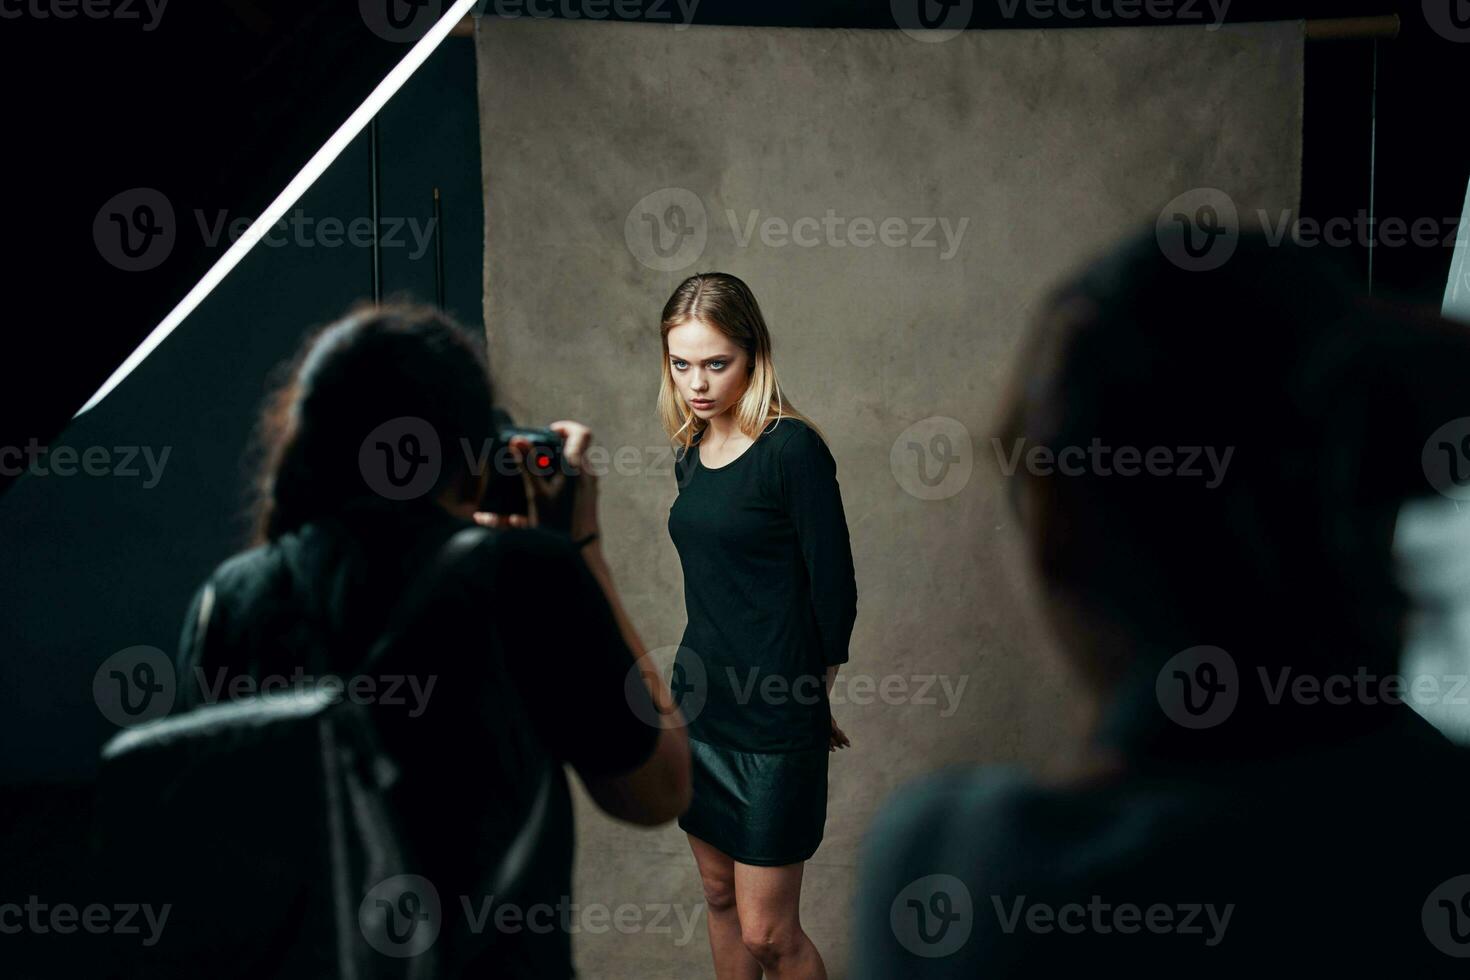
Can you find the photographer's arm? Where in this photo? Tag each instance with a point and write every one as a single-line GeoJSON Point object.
{"type": "Point", "coordinates": [659, 789]}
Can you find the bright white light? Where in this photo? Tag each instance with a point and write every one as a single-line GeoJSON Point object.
{"type": "Point", "coordinates": [1457, 290]}
{"type": "Point", "coordinates": [319, 162]}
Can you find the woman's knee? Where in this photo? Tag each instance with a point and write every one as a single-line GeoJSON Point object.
{"type": "Point", "coordinates": [769, 939]}
{"type": "Point", "coordinates": [719, 892]}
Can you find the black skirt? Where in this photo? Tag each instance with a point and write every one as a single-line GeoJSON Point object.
{"type": "Point", "coordinates": [760, 808]}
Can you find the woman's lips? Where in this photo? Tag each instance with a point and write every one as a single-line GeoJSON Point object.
{"type": "Point", "coordinates": [701, 402]}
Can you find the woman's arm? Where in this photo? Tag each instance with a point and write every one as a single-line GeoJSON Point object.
{"type": "Point", "coordinates": [813, 502]}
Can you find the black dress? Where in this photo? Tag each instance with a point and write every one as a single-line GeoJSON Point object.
{"type": "Point", "coordinates": [771, 598]}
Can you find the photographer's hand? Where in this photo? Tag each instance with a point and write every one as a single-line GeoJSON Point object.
{"type": "Point", "coordinates": [565, 500]}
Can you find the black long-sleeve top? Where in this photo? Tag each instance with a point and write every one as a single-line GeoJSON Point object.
{"type": "Point", "coordinates": [769, 589]}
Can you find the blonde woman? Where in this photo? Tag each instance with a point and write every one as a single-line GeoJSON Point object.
{"type": "Point", "coordinates": [771, 597]}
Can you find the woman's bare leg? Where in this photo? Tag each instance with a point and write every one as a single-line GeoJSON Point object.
{"type": "Point", "coordinates": [717, 873]}
{"type": "Point", "coordinates": [768, 901]}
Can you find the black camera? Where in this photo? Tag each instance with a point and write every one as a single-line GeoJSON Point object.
{"type": "Point", "coordinates": [504, 492]}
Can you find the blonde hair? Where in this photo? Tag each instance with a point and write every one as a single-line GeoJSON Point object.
{"type": "Point", "coordinates": [725, 303]}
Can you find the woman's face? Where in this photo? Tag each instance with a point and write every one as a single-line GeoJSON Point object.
{"type": "Point", "coordinates": [709, 370]}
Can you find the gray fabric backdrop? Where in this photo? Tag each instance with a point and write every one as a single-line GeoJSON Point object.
{"type": "Point", "coordinates": [899, 208]}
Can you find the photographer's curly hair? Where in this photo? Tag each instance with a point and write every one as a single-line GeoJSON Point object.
{"type": "Point", "coordinates": [726, 303]}
{"type": "Point", "coordinates": [375, 364]}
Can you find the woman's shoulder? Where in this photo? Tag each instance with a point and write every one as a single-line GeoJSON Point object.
{"type": "Point", "coordinates": [791, 434]}
{"type": "Point", "coordinates": [247, 573]}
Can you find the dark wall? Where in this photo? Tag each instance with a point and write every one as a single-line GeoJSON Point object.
{"type": "Point", "coordinates": [1414, 166]}
{"type": "Point", "coordinates": [99, 563]}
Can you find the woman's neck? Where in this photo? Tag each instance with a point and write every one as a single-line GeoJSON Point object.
{"type": "Point", "coordinates": [721, 427]}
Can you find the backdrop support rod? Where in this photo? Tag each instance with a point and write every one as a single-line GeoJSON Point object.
{"type": "Point", "coordinates": [374, 192]}
{"type": "Point", "coordinates": [438, 252]}
{"type": "Point", "coordinates": [1372, 163]}
{"type": "Point", "coordinates": [1318, 29]}
{"type": "Point", "coordinates": [1352, 28]}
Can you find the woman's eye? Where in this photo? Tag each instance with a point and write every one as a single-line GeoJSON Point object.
{"type": "Point", "coordinates": [680, 365]}
{"type": "Point", "coordinates": [716, 365]}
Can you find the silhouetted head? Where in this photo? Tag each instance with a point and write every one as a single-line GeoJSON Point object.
{"type": "Point", "coordinates": [1268, 416]}
{"type": "Point", "coordinates": [373, 367]}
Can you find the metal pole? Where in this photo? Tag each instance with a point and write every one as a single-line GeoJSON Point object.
{"type": "Point", "coordinates": [438, 251]}
{"type": "Point", "coordinates": [377, 224]}
{"type": "Point", "coordinates": [1372, 166]}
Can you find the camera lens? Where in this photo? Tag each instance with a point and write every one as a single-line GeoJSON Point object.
{"type": "Point", "coordinates": [540, 461]}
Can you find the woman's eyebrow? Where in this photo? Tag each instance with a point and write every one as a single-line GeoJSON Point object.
{"type": "Point", "coordinates": [717, 357]}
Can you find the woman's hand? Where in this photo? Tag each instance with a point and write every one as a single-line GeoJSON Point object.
{"type": "Point", "coordinates": [548, 504]}
{"type": "Point", "coordinates": [839, 739]}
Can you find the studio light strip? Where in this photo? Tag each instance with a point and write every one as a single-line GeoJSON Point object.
{"type": "Point", "coordinates": [314, 168]}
